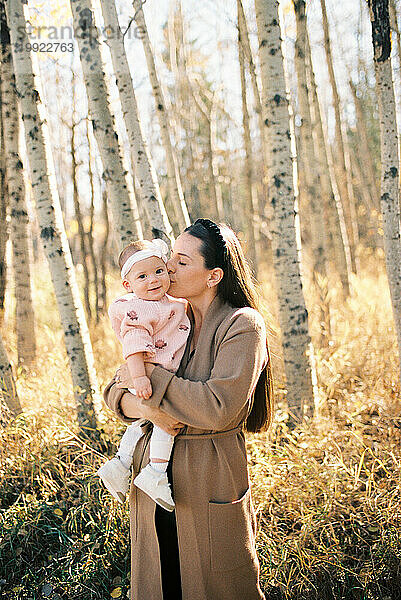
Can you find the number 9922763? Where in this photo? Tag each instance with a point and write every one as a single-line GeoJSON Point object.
{"type": "Point", "coordinates": [44, 47]}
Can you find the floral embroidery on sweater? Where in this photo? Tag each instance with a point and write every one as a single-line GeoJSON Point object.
{"type": "Point", "coordinates": [159, 344]}
{"type": "Point", "coordinates": [132, 315]}
{"type": "Point", "coordinates": [183, 327]}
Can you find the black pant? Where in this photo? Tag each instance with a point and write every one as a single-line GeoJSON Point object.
{"type": "Point", "coordinates": [166, 527]}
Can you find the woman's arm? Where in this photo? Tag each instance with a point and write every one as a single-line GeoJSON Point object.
{"type": "Point", "coordinates": [215, 403]}
{"type": "Point", "coordinates": [113, 399]}
{"type": "Point", "coordinates": [129, 408]}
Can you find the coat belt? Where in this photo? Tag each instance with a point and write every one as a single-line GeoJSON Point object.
{"type": "Point", "coordinates": [209, 436]}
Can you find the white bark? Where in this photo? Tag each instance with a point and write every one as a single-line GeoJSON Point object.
{"type": "Point", "coordinates": [261, 220]}
{"type": "Point", "coordinates": [214, 157]}
{"type": "Point", "coordinates": [24, 313]}
{"type": "Point", "coordinates": [390, 199]}
{"type": "Point", "coordinates": [118, 180]}
{"type": "Point", "coordinates": [364, 149]}
{"type": "Point", "coordinates": [144, 169]}
{"type": "Point", "coordinates": [8, 390]}
{"type": "Point", "coordinates": [246, 47]}
{"type": "Point", "coordinates": [214, 207]}
{"type": "Point", "coordinates": [345, 185]}
{"type": "Point", "coordinates": [394, 26]}
{"type": "Point", "coordinates": [248, 171]}
{"type": "Point", "coordinates": [292, 310]}
{"type": "Point", "coordinates": [173, 176]}
{"type": "Point", "coordinates": [52, 232]}
{"type": "Point", "coordinates": [337, 237]}
{"type": "Point", "coordinates": [309, 157]}
{"type": "Point", "coordinates": [4, 233]}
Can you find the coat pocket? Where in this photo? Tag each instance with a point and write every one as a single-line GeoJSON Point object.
{"type": "Point", "coordinates": [232, 528]}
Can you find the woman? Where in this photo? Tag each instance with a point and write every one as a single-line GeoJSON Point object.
{"type": "Point", "coordinates": [206, 549]}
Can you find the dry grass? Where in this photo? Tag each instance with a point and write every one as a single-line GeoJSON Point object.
{"type": "Point", "coordinates": [326, 494]}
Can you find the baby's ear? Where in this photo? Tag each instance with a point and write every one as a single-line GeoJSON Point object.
{"type": "Point", "coordinates": [126, 284]}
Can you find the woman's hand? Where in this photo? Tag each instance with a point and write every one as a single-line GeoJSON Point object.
{"type": "Point", "coordinates": [123, 377]}
{"type": "Point", "coordinates": [149, 368]}
{"type": "Point", "coordinates": [163, 420]}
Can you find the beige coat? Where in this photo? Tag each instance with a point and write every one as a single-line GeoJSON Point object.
{"type": "Point", "coordinates": [214, 511]}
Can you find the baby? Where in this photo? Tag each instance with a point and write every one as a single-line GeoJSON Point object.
{"type": "Point", "coordinates": [152, 327]}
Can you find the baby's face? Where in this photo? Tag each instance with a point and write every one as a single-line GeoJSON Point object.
{"type": "Point", "coordinates": [148, 279]}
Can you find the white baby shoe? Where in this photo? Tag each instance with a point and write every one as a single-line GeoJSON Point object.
{"type": "Point", "coordinates": [155, 484]}
{"type": "Point", "coordinates": [116, 478]}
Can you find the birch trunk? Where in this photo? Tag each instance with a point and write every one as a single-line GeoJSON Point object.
{"type": "Point", "coordinates": [394, 27]}
{"type": "Point", "coordinates": [292, 310]}
{"type": "Point", "coordinates": [310, 162]}
{"type": "Point", "coordinates": [206, 112]}
{"type": "Point", "coordinates": [390, 198]}
{"type": "Point", "coordinates": [262, 220]}
{"type": "Point", "coordinates": [91, 243]}
{"type": "Point", "coordinates": [8, 389]}
{"type": "Point", "coordinates": [364, 149]}
{"type": "Point", "coordinates": [19, 226]}
{"type": "Point", "coordinates": [173, 176]}
{"type": "Point", "coordinates": [52, 232]}
{"type": "Point", "coordinates": [246, 47]}
{"type": "Point", "coordinates": [344, 187]}
{"type": "Point", "coordinates": [78, 214]}
{"type": "Point", "coordinates": [145, 171]}
{"type": "Point", "coordinates": [4, 233]}
{"type": "Point", "coordinates": [337, 238]}
{"type": "Point", "coordinates": [361, 184]}
{"type": "Point", "coordinates": [174, 50]}
{"type": "Point", "coordinates": [249, 212]}
{"type": "Point", "coordinates": [214, 157]}
{"type": "Point", "coordinates": [118, 181]}
{"type": "Point", "coordinates": [103, 255]}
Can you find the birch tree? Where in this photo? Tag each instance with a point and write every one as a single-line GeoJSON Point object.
{"type": "Point", "coordinates": [78, 212]}
{"type": "Point", "coordinates": [312, 178]}
{"type": "Point", "coordinates": [144, 168]}
{"type": "Point", "coordinates": [344, 169]}
{"type": "Point", "coordinates": [336, 232]}
{"type": "Point", "coordinates": [214, 208]}
{"type": "Point", "coordinates": [91, 244]}
{"type": "Point", "coordinates": [364, 149]}
{"type": "Point", "coordinates": [4, 233]}
{"type": "Point", "coordinates": [103, 256]}
{"type": "Point", "coordinates": [390, 162]}
{"type": "Point", "coordinates": [52, 232]}
{"type": "Point", "coordinates": [394, 26]}
{"type": "Point", "coordinates": [24, 321]}
{"type": "Point", "coordinates": [246, 48]}
{"type": "Point", "coordinates": [117, 178]}
{"type": "Point", "coordinates": [8, 389]}
{"type": "Point", "coordinates": [293, 315]}
{"type": "Point", "coordinates": [249, 213]}
{"type": "Point", "coordinates": [173, 175]}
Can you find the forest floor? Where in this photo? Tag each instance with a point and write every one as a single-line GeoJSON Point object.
{"type": "Point", "coordinates": [327, 494]}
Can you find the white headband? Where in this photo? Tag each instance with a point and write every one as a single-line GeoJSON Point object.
{"type": "Point", "coordinates": [159, 249]}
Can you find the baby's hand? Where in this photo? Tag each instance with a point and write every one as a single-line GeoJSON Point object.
{"type": "Point", "coordinates": [143, 387]}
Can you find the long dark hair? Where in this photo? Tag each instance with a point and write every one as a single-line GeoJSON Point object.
{"type": "Point", "coordinates": [221, 248]}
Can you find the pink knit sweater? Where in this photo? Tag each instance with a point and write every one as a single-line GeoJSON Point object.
{"type": "Point", "coordinates": [158, 328]}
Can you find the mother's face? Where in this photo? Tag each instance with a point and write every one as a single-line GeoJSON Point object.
{"type": "Point", "coordinates": [186, 267]}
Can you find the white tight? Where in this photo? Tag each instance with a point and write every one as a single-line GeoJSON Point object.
{"type": "Point", "coordinates": [161, 443]}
